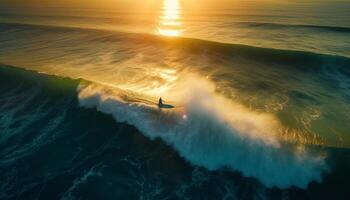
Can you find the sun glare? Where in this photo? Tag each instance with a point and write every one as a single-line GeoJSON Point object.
{"type": "Point", "coordinates": [170, 20]}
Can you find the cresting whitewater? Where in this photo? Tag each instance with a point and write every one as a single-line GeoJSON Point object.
{"type": "Point", "coordinates": [276, 116]}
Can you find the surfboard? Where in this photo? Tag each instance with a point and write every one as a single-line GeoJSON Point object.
{"type": "Point", "coordinates": [166, 106]}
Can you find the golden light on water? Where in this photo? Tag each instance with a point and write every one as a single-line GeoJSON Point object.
{"type": "Point", "coordinates": [170, 20]}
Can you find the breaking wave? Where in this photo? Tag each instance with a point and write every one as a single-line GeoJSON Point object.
{"type": "Point", "coordinates": [211, 131]}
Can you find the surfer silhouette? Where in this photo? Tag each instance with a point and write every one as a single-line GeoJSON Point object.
{"type": "Point", "coordinates": [160, 102]}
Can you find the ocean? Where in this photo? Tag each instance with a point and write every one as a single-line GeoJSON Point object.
{"type": "Point", "coordinates": [261, 97]}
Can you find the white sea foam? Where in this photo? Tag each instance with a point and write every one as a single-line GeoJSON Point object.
{"type": "Point", "coordinates": [211, 131]}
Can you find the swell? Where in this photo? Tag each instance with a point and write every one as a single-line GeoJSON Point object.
{"type": "Point", "coordinates": [307, 26]}
{"type": "Point", "coordinates": [269, 55]}
{"type": "Point", "coordinates": [121, 19]}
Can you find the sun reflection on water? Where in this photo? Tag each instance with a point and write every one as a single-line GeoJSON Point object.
{"type": "Point", "coordinates": [170, 20]}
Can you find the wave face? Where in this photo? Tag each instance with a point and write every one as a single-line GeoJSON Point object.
{"type": "Point", "coordinates": [29, 107]}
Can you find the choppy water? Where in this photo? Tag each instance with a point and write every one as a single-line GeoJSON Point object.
{"type": "Point", "coordinates": [262, 104]}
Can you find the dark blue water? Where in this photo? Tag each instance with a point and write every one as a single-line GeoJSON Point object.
{"type": "Point", "coordinates": [51, 148]}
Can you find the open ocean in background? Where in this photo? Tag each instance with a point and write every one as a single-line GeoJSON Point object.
{"type": "Point", "coordinates": [261, 96]}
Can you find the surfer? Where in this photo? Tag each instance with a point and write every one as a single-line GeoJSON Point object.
{"type": "Point", "coordinates": [160, 102]}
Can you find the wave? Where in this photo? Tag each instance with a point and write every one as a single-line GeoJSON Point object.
{"type": "Point", "coordinates": [307, 26]}
{"type": "Point", "coordinates": [121, 18]}
{"type": "Point", "coordinates": [259, 54]}
{"type": "Point", "coordinates": [207, 130]}
{"type": "Point", "coordinates": [211, 131]}
{"type": "Point", "coordinates": [27, 103]}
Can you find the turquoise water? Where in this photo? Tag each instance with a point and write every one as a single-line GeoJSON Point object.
{"type": "Point", "coordinates": [261, 102]}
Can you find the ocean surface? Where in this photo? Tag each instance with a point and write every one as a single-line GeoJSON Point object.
{"type": "Point", "coordinates": [261, 96]}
